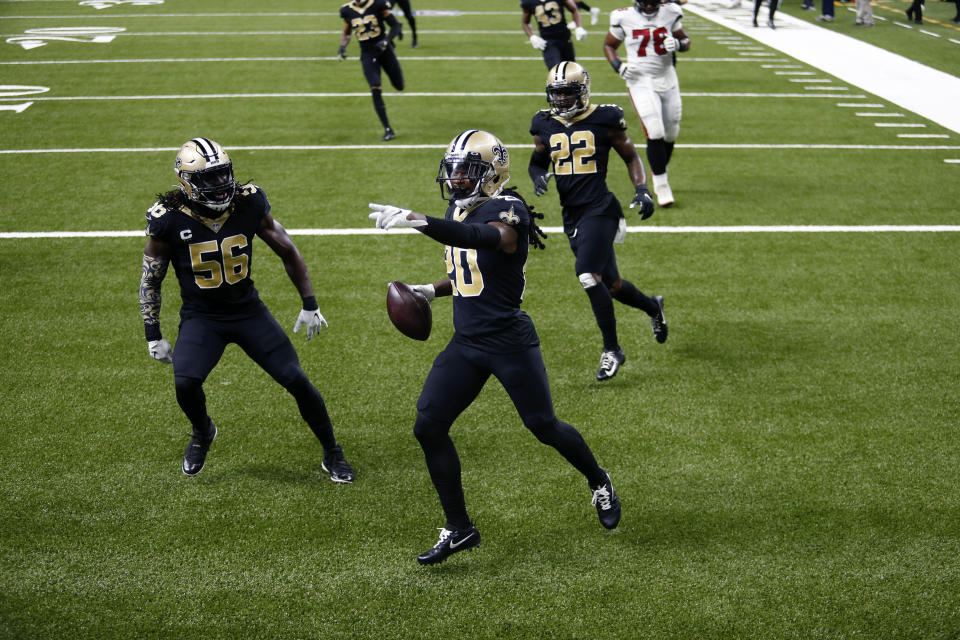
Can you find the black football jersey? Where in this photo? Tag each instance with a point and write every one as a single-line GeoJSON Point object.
{"type": "Point", "coordinates": [549, 16]}
{"type": "Point", "coordinates": [580, 149]}
{"type": "Point", "coordinates": [367, 22]}
{"type": "Point", "coordinates": [488, 284]}
{"type": "Point", "coordinates": [213, 257]}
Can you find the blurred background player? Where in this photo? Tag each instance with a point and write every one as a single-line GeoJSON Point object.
{"type": "Point", "coordinates": [206, 229]}
{"type": "Point", "coordinates": [756, 12]}
{"type": "Point", "coordinates": [411, 20]}
{"type": "Point", "coordinates": [554, 39]}
{"type": "Point", "coordinates": [651, 33]}
{"type": "Point", "coordinates": [367, 19]}
{"type": "Point", "coordinates": [577, 137]}
{"type": "Point", "coordinates": [593, 11]}
{"type": "Point", "coordinates": [486, 232]}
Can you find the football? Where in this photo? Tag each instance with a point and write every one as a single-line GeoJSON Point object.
{"type": "Point", "coordinates": [409, 311]}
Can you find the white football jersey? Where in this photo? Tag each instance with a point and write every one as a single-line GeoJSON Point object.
{"type": "Point", "coordinates": [643, 36]}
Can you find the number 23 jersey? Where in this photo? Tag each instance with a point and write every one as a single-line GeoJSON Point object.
{"type": "Point", "coordinates": [212, 257]}
{"type": "Point", "coordinates": [488, 284]}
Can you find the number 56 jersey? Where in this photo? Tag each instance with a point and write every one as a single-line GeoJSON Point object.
{"type": "Point", "coordinates": [212, 257]}
{"type": "Point", "coordinates": [488, 284]}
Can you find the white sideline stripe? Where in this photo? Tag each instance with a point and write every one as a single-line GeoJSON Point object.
{"type": "Point", "coordinates": [922, 135]}
{"type": "Point", "coordinates": [408, 94]}
{"type": "Point", "coordinates": [389, 147]}
{"type": "Point", "coordinates": [952, 160]}
{"type": "Point", "coordinates": [930, 33]}
{"type": "Point", "coordinates": [927, 92]}
{"type": "Point", "coordinates": [882, 228]}
{"type": "Point", "coordinates": [864, 114]}
{"type": "Point", "coordinates": [329, 59]}
{"type": "Point", "coordinates": [898, 124]}
{"type": "Point", "coordinates": [861, 104]}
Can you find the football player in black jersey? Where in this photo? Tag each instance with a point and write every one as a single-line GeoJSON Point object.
{"type": "Point", "coordinates": [486, 232]}
{"type": "Point", "coordinates": [554, 39]}
{"type": "Point", "coordinates": [576, 137]}
{"type": "Point", "coordinates": [367, 18]}
{"type": "Point", "coordinates": [411, 20]}
{"type": "Point", "coordinates": [206, 229]}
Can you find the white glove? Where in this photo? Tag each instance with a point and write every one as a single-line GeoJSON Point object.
{"type": "Point", "coordinates": [428, 290]}
{"type": "Point", "coordinates": [312, 320]}
{"type": "Point", "coordinates": [629, 71]}
{"type": "Point", "coordinates": [160, 350]}
{"type": "Point", "coordinates": [580, 33]}
{"type": "Point", "coordinates": [388, 216]}
{"type": "Point", "coordinates": [537, 42]}
{"type": "Point", "coordinates": [670, 44]}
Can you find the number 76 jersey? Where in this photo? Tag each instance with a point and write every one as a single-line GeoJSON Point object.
{"type": "Point", "coordinates": [643, 36]}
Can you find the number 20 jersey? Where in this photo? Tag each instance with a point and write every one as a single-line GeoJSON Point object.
{"type": "Point", "coordinates": [212, 257]}
{"type": "Point", "coordinates": [488, 284]}
{"type": "Point", "coordinates": [580, 149]}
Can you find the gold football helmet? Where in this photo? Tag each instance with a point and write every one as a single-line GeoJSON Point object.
{"type": "Point", "coordinates": [475, 165]}
{"type": "Point", "coordinates": [568, 89]}
{"type": "Point", "coordinates": [205, 173]}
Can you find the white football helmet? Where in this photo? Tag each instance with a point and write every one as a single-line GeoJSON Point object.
{"type": "Point", "coordinates": [568, 89]}
{"type": "Point", "coordinates": [205, 173]}
{"type": "Point", "coordinates": [475, 165]}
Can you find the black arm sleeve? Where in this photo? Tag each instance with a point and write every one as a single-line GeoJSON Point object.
{"type": "Point", "coordinates": [539, 163]}
{"type": "Point", "coordinates": [395, 26]}
{"type": "Point", "coordinates": [460, 234]}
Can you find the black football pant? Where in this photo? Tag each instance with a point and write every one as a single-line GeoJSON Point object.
{"type": "Point", "coordinates": [458, 374]}
{"type": "Point", "coordinates": [558, 51]}
{"type": "Point", "coordinates": [201, 343]}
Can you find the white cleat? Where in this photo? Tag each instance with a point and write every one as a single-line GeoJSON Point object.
{"type": "Point", "coordinates": [594, 15]}
{"type": "Point", "coordinates": [664, 195]}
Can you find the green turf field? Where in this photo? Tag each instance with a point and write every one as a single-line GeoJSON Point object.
{"type": "Point", "coordinates": [787, 461]}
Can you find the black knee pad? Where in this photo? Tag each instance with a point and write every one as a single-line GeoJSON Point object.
{"type": "Point", "coordinates": [187, 386]}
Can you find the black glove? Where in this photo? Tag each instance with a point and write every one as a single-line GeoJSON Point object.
{"type": "Point", "coordinates": [644, 200]}
{"type": "Point", "coordinates": [540, 179]}
{"type": "Point", "coordinates": [342, 53]}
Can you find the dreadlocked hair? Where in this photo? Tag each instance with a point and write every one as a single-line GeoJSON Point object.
{"type": "Point", "coordinates": [534, 233]}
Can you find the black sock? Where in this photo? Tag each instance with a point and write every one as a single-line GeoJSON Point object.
{"type": "Point", "coordinates": [668, 146]}
{"type": "Point", "coordinates": [379, 107]}
{"type": "Point", "coordinates": [193, 403]}
{"type": "Point", "coordinates": [314, 411]}
{"type": "Point", "coordinates": [657, 156]}
{"type": "Point", "coordinates": [443, 463]}
{"type": "Point", "coordinates": [629, 295]}
{"type": "Point", "coordinates": [570, 444]}
{"type": "Point", "coordinates": [602, 303]}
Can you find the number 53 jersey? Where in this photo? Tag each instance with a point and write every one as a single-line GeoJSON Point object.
{"type": "Point", "coordinates": [212, 257]}
{"type": "Point", "coordinates": [579, 149]}
{"type": "Point", "coordinates": [488, 284]}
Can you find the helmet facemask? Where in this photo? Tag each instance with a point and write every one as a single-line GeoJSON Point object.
{"type": "Point", "coordinates": [647, 7]}
{"type": "Point", "coordinates": [567, 100]}
{"type": "Point", "coordinates": [462, 176]}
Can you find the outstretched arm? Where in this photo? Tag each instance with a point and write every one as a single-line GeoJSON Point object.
{"type": "Point", "coordinates": [156, 259]}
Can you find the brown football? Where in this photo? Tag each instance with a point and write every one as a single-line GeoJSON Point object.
{"type": "Point", "coordinates": [409, 311]}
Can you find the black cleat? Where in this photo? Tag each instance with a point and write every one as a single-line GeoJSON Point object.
{"type": "Point", "coordinates": [610, 362]}
{"type": "Point", "coordinates": [196, 454]}
{"type": "Point", "coordinates": [414, 44]}
{"type": "Point", "coordinates": [451, 542]}
{"type": "Point", "coordinates": [658, 322]}
{"type": "Point", "coordinates": [388, 134]}
{"type": "Point", "coordinates": [607, 503]}
{"type": "Point", "coordinates": [337, 466]}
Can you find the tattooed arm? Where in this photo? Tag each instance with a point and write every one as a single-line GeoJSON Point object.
{"type": "Point", "coordinates": [156, 259]}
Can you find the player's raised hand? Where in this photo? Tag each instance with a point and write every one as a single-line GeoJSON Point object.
{"type": "Point", "coordinates": [388, 216]}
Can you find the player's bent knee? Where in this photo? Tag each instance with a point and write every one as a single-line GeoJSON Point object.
{"type": "Point", "coordinates": [588, 280]}
{"type": "Point", "coordinates": [614, 288]}
{"type": "Point", "coordinates": [543, 428]}
{"type": "Point", "coordinates": [185, 385]}
{"type": "Point", "coordinates": [426, 429]}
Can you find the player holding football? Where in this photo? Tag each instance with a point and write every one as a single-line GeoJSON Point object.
{"type": "Point", "coordinates": [206, 229]}
{"type": "Point", "coordinates": [486, 232]}
{"type": "Point", "coordinates": [651, 33]}
{"type": "Point", "coordinates": [367, 18]}
{"type": "Point", "coordinates": [577, 137]}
